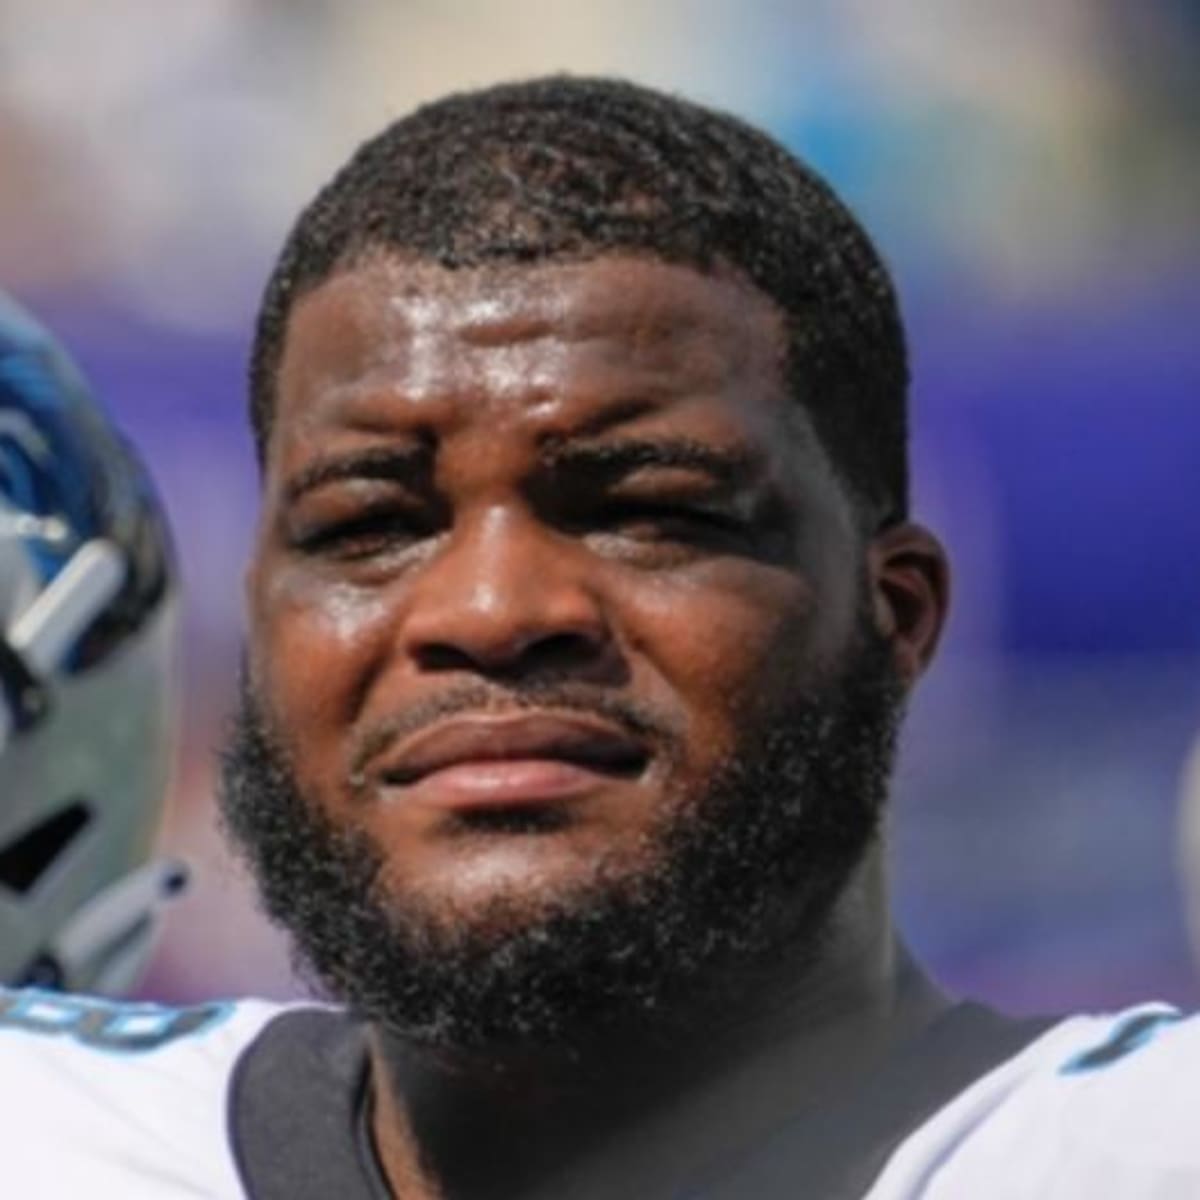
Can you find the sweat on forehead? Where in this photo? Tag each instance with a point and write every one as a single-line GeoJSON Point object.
{"type": "Point", "coordinates": [567, 351]}
{"type": "Point", "coordinates": [387, 311]}
{"type": "Point", "coordinates": [572, 169]}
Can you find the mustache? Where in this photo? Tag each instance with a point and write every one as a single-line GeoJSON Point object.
{"type": "Point", "coordinates": [634, 717]}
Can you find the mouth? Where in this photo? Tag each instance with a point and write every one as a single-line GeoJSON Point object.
{"type": "Point", "coordinates": [511, 762]}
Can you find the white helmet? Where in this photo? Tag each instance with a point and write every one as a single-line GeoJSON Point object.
{"type": "Point", "coordinates": [87, 593]}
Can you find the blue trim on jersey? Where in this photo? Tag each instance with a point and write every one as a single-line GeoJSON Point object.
{"type": "Point", "coordinates": [1131, 1034]}
{"type": "Point", "coordinates": [111, 1026]}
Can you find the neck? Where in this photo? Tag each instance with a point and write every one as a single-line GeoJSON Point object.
{"type": "Point", "coordinates": [631, 1111]}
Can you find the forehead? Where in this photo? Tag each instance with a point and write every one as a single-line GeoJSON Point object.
{"type": "Point", "coordinates": [617, 328]}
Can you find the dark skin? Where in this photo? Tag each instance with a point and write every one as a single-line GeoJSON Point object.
{"type": "Point", "coordinates": [586, 471]}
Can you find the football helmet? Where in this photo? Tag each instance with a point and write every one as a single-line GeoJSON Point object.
{"type": "Point", "coordinates": [87, 605]}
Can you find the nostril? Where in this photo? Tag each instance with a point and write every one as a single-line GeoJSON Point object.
{"type": "Point", "coordinates": [441, 656]}
{"type": "Point", "coordinates": [564, 646]}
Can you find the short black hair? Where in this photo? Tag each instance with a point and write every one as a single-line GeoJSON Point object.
{"type": "Point", "coordinates": [566, 168]}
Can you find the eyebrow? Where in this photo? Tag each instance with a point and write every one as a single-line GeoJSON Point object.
{"type": "Point", "coordinates": [408, 464]}
{"type": "Point", "coordinates": [731, 466]}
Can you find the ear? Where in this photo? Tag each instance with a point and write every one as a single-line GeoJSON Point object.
{"type": "Point", "coordinates": [910, 588]}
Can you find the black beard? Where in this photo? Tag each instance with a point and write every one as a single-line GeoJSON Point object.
{"type": "Point", "coordinates": [749, 870]}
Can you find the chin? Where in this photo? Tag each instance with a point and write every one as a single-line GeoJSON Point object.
{"type": "Point", "coordinates": [502, 882]}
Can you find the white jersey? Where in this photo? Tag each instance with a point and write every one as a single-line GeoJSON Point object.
{"type": "Point", "coordinates": [1096, 1109]}
{"type": "Point", "coordinates": [250, 1099]}
{"type": "Point", "coordinates": [119, 1100]}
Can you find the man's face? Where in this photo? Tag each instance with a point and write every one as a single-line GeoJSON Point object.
{"type": "Point", "coordinates": [550, 575]}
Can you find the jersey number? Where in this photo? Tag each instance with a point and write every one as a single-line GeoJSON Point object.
{"type": "Point", "coordinates": [104, 1025]}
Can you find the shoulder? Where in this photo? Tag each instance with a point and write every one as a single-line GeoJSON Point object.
{"type": "Point", "coordinates": [133, 1094]}
{"type": "Point", "coordinates": [1097, 1106]}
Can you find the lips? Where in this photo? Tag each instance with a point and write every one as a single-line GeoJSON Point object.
{"type": "Point", "coordinates": [524, 759]}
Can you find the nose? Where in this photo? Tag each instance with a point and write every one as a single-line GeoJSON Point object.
{"type": "Point", "coordinates": [506, 596]}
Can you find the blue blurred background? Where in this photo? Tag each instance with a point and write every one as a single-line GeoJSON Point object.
{"type": "Point", "coordinates": [1032, 172]}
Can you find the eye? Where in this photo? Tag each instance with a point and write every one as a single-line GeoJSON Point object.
{"type": "Point", "coordinates": [671, 521]}
{"type": "Point", "coordinates": [368, 533]}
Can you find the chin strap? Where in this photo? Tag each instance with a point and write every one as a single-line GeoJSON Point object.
{"type": "Point", "coordinates": [41, 637]}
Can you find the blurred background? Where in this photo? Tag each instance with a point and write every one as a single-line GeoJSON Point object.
{"type": "Point", "coordinates": [1031, 171]}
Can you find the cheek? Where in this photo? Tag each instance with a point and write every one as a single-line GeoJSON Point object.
{"type": "Point", "coordinates": [313, 646]}
{"type": "Point", "coordinates": [727, 639]}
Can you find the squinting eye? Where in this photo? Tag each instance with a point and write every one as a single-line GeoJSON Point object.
{"type": "Point", "coordinates": [371, 533]}
{"type": "Point", "coordinates": [671, 522]}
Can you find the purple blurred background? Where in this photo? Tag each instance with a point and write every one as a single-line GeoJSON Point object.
{"type": "Point", "coordinates": [1031, 171]}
